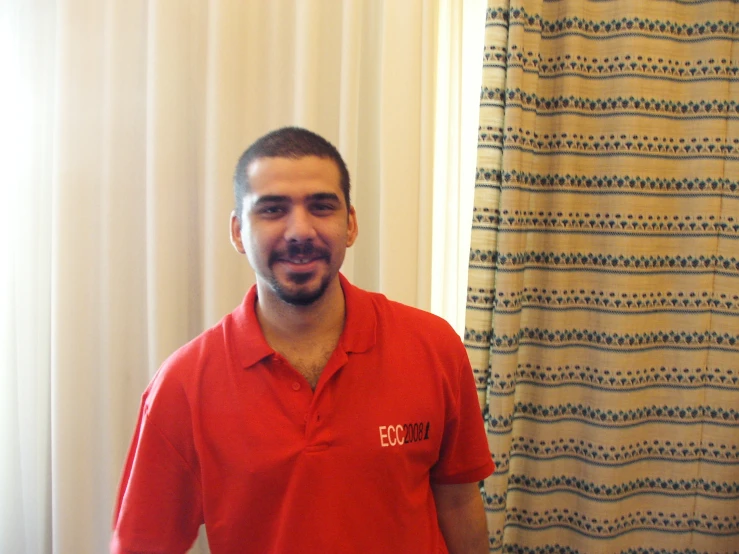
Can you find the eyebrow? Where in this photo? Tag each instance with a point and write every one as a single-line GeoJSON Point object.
{"type": "Point", "coordinates": [270, 199]}
{"type": "Point", "coordinates": [324, 196]}
{"type": "Point", "coordinates": [279, 199]}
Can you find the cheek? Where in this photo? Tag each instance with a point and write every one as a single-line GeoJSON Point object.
{"type": "Point", "coordinates": [261, 237]}
{"type": "Point", "coordinates": [258, 244]}
{"type": "Point", "coordinates": [255, 246]}
{"type": "Point", "coordinates": [338, 238]}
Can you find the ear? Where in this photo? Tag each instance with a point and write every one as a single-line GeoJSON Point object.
{"type": "Point", "coordinates": [353, 229]}
{"type": "Point", "coordinates": [236, 240]}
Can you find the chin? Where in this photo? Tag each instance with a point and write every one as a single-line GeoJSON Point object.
{"type": "Point", "coordinates": [300, 295]}
{"type": "Point", "coordinates": [301, 299]}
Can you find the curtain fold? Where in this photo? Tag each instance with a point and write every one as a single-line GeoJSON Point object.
{"type": "Point", "coordinates": [26, 52]}
{"type": "Point", "coordinates": [602, 317]}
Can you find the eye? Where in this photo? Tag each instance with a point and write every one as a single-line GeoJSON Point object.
{"type": "Point", "coordinates": [271, 211]}
{"type": "Point", "coordinates": [322, 208]}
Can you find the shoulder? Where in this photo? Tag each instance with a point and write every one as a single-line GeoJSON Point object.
{"type": "Point", "coordinates": [197, 351]}
{"type": "Point", "coordinates": [182, 370]}
{"type": "Point", "coordinates": [364, 307]}
{"type": "Point", "coordinates": [403, 314]}
{"type": "Point", "coordinates": [401, 322]}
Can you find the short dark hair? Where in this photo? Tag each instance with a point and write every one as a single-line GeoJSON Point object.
{"type": "Point", "coordinates": [287, 142]}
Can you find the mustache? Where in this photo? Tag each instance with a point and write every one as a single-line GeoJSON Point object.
{"type": "Point", "coordinates": [299, 249]}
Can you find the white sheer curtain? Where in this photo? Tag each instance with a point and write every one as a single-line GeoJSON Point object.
{"type": "Point", "coordinates": [122, 121]}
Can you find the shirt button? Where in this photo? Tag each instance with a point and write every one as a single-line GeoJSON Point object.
{"type": "Point", "coordinates": [296, 386]}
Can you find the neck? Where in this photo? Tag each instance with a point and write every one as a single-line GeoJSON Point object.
{"type": "Point", "coordinates": [287, 323]}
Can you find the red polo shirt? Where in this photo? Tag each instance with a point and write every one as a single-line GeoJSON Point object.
{"type": "Point", "coordinates": [230, 435]}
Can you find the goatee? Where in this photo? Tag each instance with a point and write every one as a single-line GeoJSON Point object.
{"type": "Point", "coordinates": [294, 251]}
{"type": "Point", "coordinates": [299, 297]}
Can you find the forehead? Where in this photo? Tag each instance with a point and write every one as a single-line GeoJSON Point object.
{"type": "Point", "coordinates": [293, 176]}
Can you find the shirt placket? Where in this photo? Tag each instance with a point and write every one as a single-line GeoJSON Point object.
{"type": "Point", "coordinates": [318, 428]}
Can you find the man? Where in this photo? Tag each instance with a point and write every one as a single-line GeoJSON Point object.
{"type": "Point", "coordinates": [317, 417]}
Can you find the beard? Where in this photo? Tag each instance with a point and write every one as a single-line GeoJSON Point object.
{"type": "Point", "coordinates": [299, 296]}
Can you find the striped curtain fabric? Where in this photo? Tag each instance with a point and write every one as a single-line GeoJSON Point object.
{"type": "Point", "coordinates": [603, 301]}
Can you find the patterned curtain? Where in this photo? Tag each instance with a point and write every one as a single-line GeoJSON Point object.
{"type": "Point", "coordinates": [603, 301]}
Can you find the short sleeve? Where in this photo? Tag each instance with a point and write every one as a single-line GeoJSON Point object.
{"type": "Point", "coordinates": [465, 456]}
{"type": "Point", "coordinates": [159, 507]}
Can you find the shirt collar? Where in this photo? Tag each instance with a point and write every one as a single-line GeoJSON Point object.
{"type": "Point", "coordinates": [247, 337]}
{"type": "Point", "coordinates": [359, 333]}
{"type": "Point", "coordinates": [360, 327]}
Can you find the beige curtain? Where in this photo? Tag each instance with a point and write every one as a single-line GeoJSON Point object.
{"type": "Point", "coordinates": [122, 121]}
{"type": "Point", "coordinates": [603, 316]}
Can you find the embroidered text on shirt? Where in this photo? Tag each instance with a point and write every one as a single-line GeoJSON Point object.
{"type": "Point", "coordinates": [407, 433]}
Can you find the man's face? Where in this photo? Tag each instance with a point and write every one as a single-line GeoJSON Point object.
{"type": "Point", "coordinates": [295, 226]}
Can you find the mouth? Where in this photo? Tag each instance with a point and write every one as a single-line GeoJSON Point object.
{"type": "Point", "coordinates": [300, 270]}
{"type": "Point", "coordinates": [301, 265]}
{"type": "Point", "coordinates": [300, 262]}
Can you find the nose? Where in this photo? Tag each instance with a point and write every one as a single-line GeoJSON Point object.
{"type": "Point", "coordinates": [300, 226]}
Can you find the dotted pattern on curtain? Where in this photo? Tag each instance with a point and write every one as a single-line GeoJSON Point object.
{"type": "Point", "coordinates": [603, 301]}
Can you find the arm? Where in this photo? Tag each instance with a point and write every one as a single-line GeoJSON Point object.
{"type": "Point", "coordinates": [462, 518]}
{"type": "Point", "coordinates": [159, 507]}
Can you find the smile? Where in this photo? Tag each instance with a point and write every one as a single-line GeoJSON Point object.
{"type": "Point", "coordinates": [302, 262]}
{"type": "Point", "coordinates": [300, 256]}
